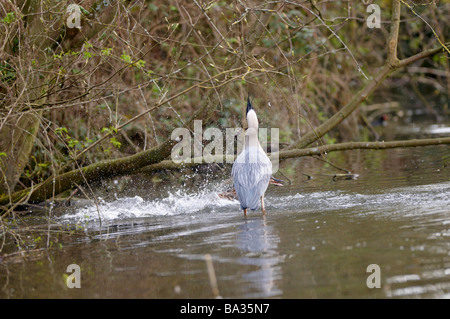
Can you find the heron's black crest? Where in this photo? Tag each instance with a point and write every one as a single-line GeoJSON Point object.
{"type": "Point", "coordinates": [249, 105]}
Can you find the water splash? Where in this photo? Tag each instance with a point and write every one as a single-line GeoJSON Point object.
{"type": "Point", "coordinates": [176, 203]}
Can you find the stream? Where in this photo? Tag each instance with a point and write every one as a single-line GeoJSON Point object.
{"type": "Point", "coordinates": [316, 241]}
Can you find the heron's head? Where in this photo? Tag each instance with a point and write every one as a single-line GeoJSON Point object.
{"type": "Point", "coordinates": [252, 119]}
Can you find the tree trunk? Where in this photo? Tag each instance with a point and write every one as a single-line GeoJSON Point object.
{"type": "Point", "coordinates": [16, 141]}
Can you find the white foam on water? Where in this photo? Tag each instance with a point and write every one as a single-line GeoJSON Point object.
{"type": "Point", "coordinates": [412, 201]}
{"type": "Point", "coordinates": [175, 203]}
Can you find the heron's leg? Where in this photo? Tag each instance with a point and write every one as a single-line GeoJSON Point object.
{"type": "Point", "coordinates": [245, 212]}
{"type": "Point", "coordinates": [262, 205]}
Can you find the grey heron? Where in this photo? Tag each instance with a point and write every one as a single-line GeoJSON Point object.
{"type": "Point", "coordinates": [252, 169]}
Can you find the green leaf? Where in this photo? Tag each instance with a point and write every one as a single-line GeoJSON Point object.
{"type": "Point", "coordinates": [140, 64]}
{"type": "Point", "coordinates": [83, 10]}
{"type": "Point", "coordinates": [10, 18]}
{"type": "Point", "coordinates": [126, 58]}
{"type": "Point", "coordinates": [87, 55]}
{"type": "Point", "coordinates": [106, 52]}
{"type": "Point", "coordinates": [60, 130]}
{"type": "Point", "coordinates": [115, 142]}
{"type": "Point", "coordinates": [73, 142]}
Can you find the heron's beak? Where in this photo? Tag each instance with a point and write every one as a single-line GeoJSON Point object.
{"type": "Point", "coordinates": [249, 105]}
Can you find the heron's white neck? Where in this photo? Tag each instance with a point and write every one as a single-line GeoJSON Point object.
{"type": "Point", "coordinates": [252, 131]}
{"type": "Point", "coordinates": [252, 120]}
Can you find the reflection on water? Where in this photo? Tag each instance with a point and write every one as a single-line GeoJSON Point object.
{"type": "Point", "coordinates": [433, 129]}
{"type": "Point", "coordinates": [259, 245]}
{"type": "Point", "coordinates": [316, 240]}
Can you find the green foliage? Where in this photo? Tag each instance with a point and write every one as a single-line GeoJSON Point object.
{"type": "Point", "coordinates": [140, 64]}
{"type": "Point", "coordinates": [9, 18]}
{"type": "Point", "coordinates": [106, 51]}
{"type": "Point", "coordinates": [109, 130]}
{"type": "Point", "coordinates": [115, 142]}
{"type": "Point", "coordinates": [126, 58]}
{"type": "Point", "coordinates": [87, 55]}
{"type": "Point", "coordinates": [112, 140]}
{"type": "Point", "coordinates": [71, 142]}
{"type": "Point", "coordinates": [61, 130]}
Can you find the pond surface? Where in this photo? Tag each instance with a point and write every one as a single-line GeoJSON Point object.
{"type": "Point", "coordinates": [316, 240]}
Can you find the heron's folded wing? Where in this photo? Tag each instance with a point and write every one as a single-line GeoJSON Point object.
{"type": "Point", "coordinates": [251, 179]}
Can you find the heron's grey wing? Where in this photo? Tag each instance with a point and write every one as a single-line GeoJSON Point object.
{"type": "Point", "coordinates": [265, 172]}
{"type": "Point", "coordinates": [237, 173]}
{"type": "Point", "coordinates": [251, 179]}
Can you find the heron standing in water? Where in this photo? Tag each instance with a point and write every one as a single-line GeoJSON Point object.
{"type": "Point", "coordinates": [252, 169]}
